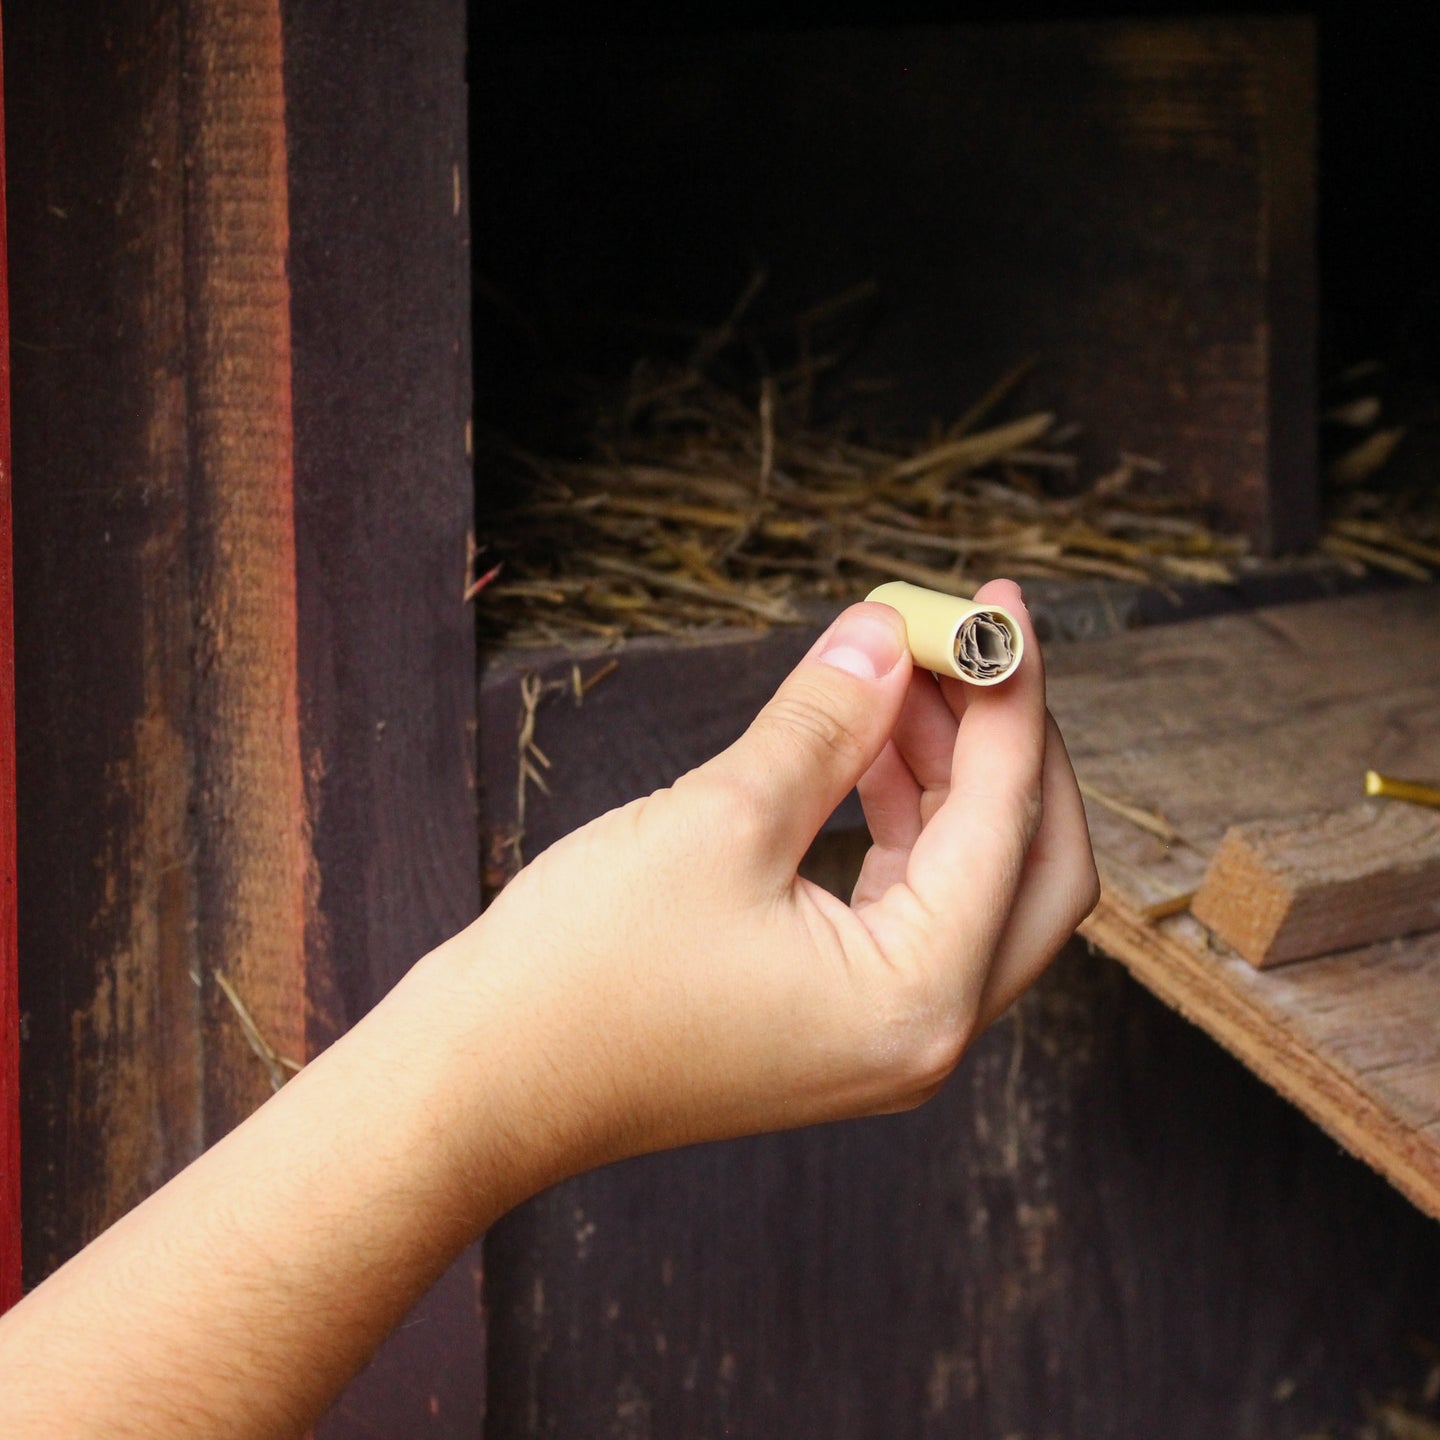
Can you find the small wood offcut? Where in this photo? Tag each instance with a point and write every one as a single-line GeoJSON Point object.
{"type": "Point", "coordinates": [1281, 890]}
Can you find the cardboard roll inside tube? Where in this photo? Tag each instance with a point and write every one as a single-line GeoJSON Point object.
{"type": "Point", "coordinates": [981, 644]}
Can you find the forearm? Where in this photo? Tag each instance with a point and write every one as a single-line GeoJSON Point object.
{"type": "Point", "coordinates": [239, 1298]}
{"type": "Point", "coordinates": [660, 977]}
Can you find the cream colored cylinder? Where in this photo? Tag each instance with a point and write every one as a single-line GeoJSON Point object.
{"type": "Point", "coordinates": [980, 644]}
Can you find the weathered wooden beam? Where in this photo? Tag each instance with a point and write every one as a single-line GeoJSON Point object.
{"type": "Point", "coordinates": [1171, 722]}
{"type": "Point", "coordinates": [246, 675]}
{"type": "Point", "coordinates": [9, 975]}
{"type": "Point", "coordinates": [248, 800]}
{"type": "Point", "coordinates": [1283, 511]}
{"type": "Point", "coordinates": [1282, 890]}
{"type": "Point", "coordinates": [161, 790]}
{"type": "Point", "coordinates": [375, 115]}
{"type": "Point", "coordinates": [111, 1062]}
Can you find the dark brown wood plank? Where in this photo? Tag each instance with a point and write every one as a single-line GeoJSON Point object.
{"type": "Point", "coordinates": [1287, 515]}
{"type": "Point", "coordinates": [111, 1063]}
{"type": "Point", "coordinates": [9, 961]}
{"type": "Point", "coordinates": [1132, 202]}
{"type": "Point", "coordinates": [379, 268]}
{"type": "Point", "coordinates": [1293, 1036]}
{"type": "Point", "coordinates": [660, 710]}
{"type": "Point", "coordinates": [162, 800]}
{"type": "Point", "coordinates": [670, 705]}
{"type": "Point", "coordinates": [375, 110]}
{"type": "Point", "coordinates": [171, 826]}
{"type": "Point", "coordinates": [1242, 719]}
{"type": "Point", "coordinates": [1103, 1228]}
{"type": "Point", "coordinates": [248, 812]}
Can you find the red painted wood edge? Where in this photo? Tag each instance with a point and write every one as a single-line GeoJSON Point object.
{"type": "Point", "coordinates": [9, 976]}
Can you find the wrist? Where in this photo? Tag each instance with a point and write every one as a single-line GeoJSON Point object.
{"type": "Point", "coordinates": [496, 1047]}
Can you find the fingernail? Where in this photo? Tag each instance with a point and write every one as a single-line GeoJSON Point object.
{"type": "Point", "coordinates": [863, 645]}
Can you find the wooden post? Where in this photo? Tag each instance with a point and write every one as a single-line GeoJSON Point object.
{"type": "Point", "coordinates": [9, 973]}
{"type": "Point", "coordinates": [240, 244]}
{"type": "Point", "coordinates": [250, 856]}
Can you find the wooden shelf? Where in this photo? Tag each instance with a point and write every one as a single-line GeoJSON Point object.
{"type": "Point", "coordinates": [1264, 715]}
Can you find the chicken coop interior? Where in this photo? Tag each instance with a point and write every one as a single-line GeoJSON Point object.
{"type": "Point", "coordinates": [619, 353]}
{"type": "Point", "coordinates": [1115, 224]}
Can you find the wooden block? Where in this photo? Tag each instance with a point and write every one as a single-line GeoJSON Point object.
{"type": "Point", "coordinates": [1280, 890]}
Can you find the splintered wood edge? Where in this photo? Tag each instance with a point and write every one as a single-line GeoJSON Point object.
{"type": "Point", "coordinates": [1189, 984]}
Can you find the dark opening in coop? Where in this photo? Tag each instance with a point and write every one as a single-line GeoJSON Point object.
{"type": "Point", "coordinates": [763, 321]}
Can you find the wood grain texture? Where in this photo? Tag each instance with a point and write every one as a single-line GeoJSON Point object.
{"type": "Point", "coordinates": [379, 263]}
{"type": "Point", "coordinates": [1103, 1228]}
{"type": "Point", "coordinates": [1132, 202]}
{"type": "Point", "coordinates": [1287, 516]}
{"type": "Point", "coordinates": [248, 794]}
{"type": "Point", "coordinates": [244, 369]}
{"type": "Point", "coordinates": [1248, 718]}
{"type": "Point", "coordinates": [245, 672]}
{"type": "Point", "coordinates": [9, 960]}
{"type": "Point", "coordinates": [379, 269]}
{"type": "Point", "coordinates": [1282, 890]}
{"type": "Point", "coordinates": [661, 711]}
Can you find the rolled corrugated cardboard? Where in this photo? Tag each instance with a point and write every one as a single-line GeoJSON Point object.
{"type": "Point", "coordinates": [981, 644]}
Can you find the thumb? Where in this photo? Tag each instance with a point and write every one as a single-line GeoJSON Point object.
{"type": "Point", "coordinates": [820, 732]}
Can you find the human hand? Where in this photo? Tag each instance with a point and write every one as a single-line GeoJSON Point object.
{"type": "Point", "coordinates": [683, 983]}
{"type": "Point", "coordinates": [660, 976]}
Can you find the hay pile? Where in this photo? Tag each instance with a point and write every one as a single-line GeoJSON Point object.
{"type": "Point", "coordinates": [693, 503]}
{"type": "Point", "coordinates": [698, 508]}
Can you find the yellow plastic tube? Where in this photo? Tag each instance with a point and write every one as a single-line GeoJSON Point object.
{"type": "Point", "coordinates": [980, 644]}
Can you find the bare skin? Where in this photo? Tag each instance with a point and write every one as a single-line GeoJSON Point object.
{"type": "Point", "coordinates": [658, 978]}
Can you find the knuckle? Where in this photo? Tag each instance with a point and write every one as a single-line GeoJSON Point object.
{"type": "Point", "coordinates": [919, 1040]}
{"type": "Point", "coordinates": [1029, 814]}
{"type": "Point", "coordinates": [934, 1057]}
{"type": "Point", "coordinates": [1011, 813]}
